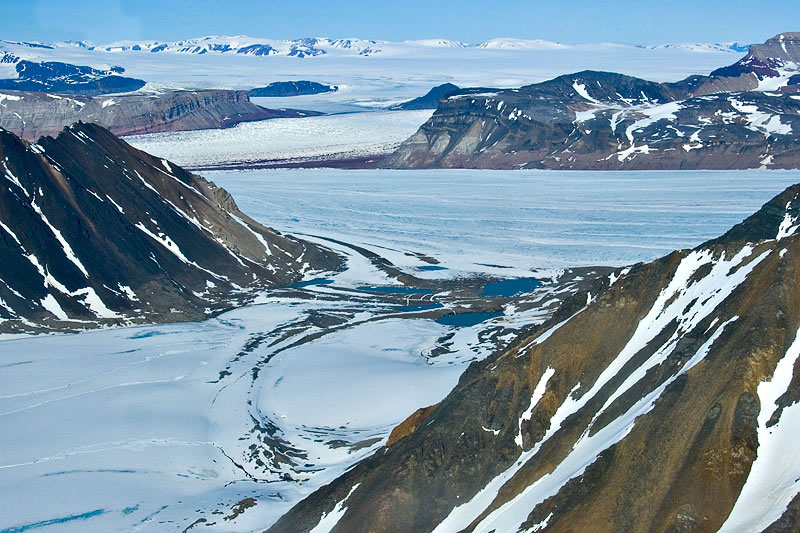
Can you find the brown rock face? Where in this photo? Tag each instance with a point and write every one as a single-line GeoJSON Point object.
{"type": "Point", "coordinates": [410, 424]}
{"type": "Point", "coordinates": [641, 412]}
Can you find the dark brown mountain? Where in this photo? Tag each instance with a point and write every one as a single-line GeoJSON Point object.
{"type": "Point", "coordinates": [93, 231]}
{"type": "Point", "coordinates": [33, 114]}
{"type": "Point", "coordinates": [667, 403]}
{"type": "Point", "coordinates": [738, 117]}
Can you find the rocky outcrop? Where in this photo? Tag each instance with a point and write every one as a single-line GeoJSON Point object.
{"type": "Point", "coordinates": [293, 88]}
{"type": "Point", "coordinates": [32, 114]}
{"type": "Point", "coordinates": [410, 424]}
{"type": "Point", "coordinates": [94, 232]}
{"type": "Point", "coordinates": [598, 120]}
{"type": "Point", "coordinates": [429, 100]}
{"type": "Point", "coordinates": [662, 402]}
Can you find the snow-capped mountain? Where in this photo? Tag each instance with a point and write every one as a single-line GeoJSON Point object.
{"type": "Point", "coordinates": [93, 231]}
{"type": "Point", "coordinates": [665, 399]}
{"type": "Point", "coordinates": [520, 44]}
{"type": "Point", "coordinates": [306, 47]}
{"type": "Point", "coordinates": [702, 47]}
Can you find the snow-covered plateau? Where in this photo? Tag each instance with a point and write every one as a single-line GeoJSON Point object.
{"type": "Point", "coordinates": [231, 421]}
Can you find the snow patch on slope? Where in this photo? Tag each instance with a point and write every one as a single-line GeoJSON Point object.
{"type": "Point", "coordinates": [774, 477]}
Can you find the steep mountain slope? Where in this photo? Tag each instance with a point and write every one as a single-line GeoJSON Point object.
{"type": "Point", "coordinates": [33, 114]}
{"type": "Point", "coordinates": [94, 231]}
{"type": "Point", "coordinates": [742, 116]}
{"type": "Point", "coordinates": [665, 400]}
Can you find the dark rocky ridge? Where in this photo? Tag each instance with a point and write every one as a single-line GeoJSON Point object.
{"type": "Point", "coordinates": [56, 77]}
{"type": "Point", "coordinates": [96, 232]}
{"type": "Point", "coordinates": [33, 114]}
{"type": "Point", "coordinates": [292, 88]}
{"type": "Point", "coordinates": [430, 100]}
{"type": "Point", "coordinates": [598, 120]}
{"type": "Point", "coordinates": [675, 419]}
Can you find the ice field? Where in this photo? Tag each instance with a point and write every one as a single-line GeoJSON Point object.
{"type": "Point", "coordinates": [398, 72]}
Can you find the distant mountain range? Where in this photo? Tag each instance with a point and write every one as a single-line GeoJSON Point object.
{"type": "Point", "coordinates": [310, 46]}
{"type": "Point", "coordinates": [746, 115]}
{"type": "Point", "coordinates": [665, 399]}
{"type": "Point", "coordinates": [94, 232]}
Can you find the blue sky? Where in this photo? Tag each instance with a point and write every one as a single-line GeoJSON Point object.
{"type": "Point", "coordinates": [630, 21]}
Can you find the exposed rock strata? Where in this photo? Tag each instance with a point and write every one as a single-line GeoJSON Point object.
{"type": "Point", "coordinates": [33, 114]}
{"type": "Point", "coordinates": [292, 88]}
{"type": "Point", "coordinates": [429, 100]}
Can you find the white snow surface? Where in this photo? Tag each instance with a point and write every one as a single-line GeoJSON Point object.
{"type": "Point", "coordinates": [580, 88]}
{"type": "Point", "coordinates": [760, 121]}
{"type": "Point", "coordinates": [139, 412]}
{"type": "Point", "coordinates": [330, 520]}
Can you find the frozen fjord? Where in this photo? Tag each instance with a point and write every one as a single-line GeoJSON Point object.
{"type": "Point", "coordinates": [139, 428]}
